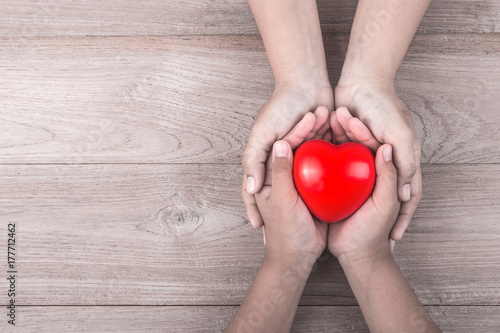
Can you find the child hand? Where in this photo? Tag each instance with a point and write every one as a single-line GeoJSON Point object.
{"type": "Point", "coordinates": [292, 235]}
{"type": "Point", "coordinates": [365, 234]}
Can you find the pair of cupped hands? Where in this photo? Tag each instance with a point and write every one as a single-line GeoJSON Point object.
{"type": "Point", "coordinates": [370, 113]}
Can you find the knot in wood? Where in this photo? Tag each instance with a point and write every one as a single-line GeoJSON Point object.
{"type": "Point", "coordinates": [179, 220]}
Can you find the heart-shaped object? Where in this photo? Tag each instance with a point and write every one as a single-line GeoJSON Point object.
{"type": "Point", "coordinates": [333, 180]}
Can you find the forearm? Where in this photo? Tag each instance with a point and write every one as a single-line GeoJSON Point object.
{"type": "Point", "coordinates": [385, 297]}
{"type": "Point", "coordinates": [272, 301]}
{"type": "Point", "coordinates": [380, 36]}
{"type": "Point", "coordinates": [291, 33]}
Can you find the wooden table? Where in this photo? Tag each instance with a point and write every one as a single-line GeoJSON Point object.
{"type": "Point", "coordinates": [122, 128]}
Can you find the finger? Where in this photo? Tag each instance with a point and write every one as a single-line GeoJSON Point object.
{"type": "Point", "coordinates": [408, 208]}
{"type": "Point", "coordinates": [407, 161]}
{"type": "Point", "coordinates": [344, 117]}
{"type": "Point", "coordinates": [299, 132]}
{"type": "Point", "coordinates": [323, 131]}
{"type": "Point", "coordinates": [393, 245]}
{"type": "Point", "coordinates": [385, 192]}
{"type": "Point", "coordinates": [268, 179]}
{"type": "Point", "coordinates": [338, 134]}
{"type": "Point", "coordinates": [363, 135]}
{"type": "Point", "coordinates": [251, 207]}
{"type": "Point", "coordinates": [255, 156]}
{"type": "Point", "coordinates": [282, 182]}
{"type": "Point", "coordinates": [321, 125]}
{"type": "Point", "coordinates": [295, 138]}
{"type": "Point", "coordinates": [403, 220]}
{"type": "Point", "coordinates": [328, 136]}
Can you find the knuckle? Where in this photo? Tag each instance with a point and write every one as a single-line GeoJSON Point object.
{"type": "Point", "coordinates": [406, 134]}
{"type": "Point", "coordinates": [249, 158]}
{"type": "Point", "coordinates": [407, 169]}
{"type": "Point", "coordinates": [417, 193]}
{"type": "Point", "coordinates": [410, 168]}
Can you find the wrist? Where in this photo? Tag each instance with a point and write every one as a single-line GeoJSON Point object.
{"type": "Point", "coordinates": [355, 75]}
{"type": "Point", "coordinates": [306, 94]}
{"type": "Point", "coordinates": [360, 67]}
{"type": "Point", "coordinates": [294, 268]}
{"type": "Point", "coordinates": [310, 78]}
{"type": "Point", "coordinates": [364, 262]}
{"type": "Point", "coordinates": [361, 89]}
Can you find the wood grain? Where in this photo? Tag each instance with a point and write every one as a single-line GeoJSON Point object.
{"type": "Point", "coordinates": [193, 99]}
{"type": "Point", "coordinates": [132, 100]}
{"type": "Point", "coordinates": [214, 318]}
{"type": "Point", "coordinates": [122, 128]}
{"type": "Point", "coordinates": [209, 17]}
{"type": "Point", "coordinates": [178, 235]}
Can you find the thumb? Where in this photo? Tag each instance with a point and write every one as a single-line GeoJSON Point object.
{"type": "Point", "coordinates": [282, 168]}
{"type": "Point", "coordinates": [385, 194]}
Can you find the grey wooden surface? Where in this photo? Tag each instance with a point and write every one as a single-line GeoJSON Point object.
{"type": "Point", "coordinates": [122, 127]}
{"type": "Point", "coordinates": [320, 319]}
{"type": "Point", "coordinates": [212, 17]}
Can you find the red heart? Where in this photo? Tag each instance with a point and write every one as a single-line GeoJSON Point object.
{"type": "Point", "coordinates": [334, 181]}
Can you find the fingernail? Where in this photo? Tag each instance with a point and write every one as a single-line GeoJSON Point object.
{"type": "Point", "coordinates": [387, 153]}
{"type": "Point", "coordinates": [280, 149]}
{"type": "Point", "coordinates": [406, 192]}
{"type": "Point", "coordinates": [250, 184]}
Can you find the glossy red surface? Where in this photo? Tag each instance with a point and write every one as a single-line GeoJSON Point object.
{"type": "Point", "coordinates": [333, 180]}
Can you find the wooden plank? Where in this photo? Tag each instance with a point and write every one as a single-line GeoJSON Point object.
{"type": "Point", "coordinates": [178, 235]}
{"type": "Point", "coordinates": [170, 17]}
{"type": "Point", "coordinates": [215, 318]}
{"type": "Point", "coordinates": [453, 96]}
{"type": "Point", "coordinates": [132, 100]}
{"type": "Point", "coordinates": [193, 99]}
{"type": "Point", "coordinates": [350, 319]}
{"type": "Point", "coordinates": [121, 319]}
{"type": "Point", "coordinates": [465, 248]}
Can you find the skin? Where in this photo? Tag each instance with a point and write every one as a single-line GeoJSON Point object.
{"type": "Point", "coordinates": [292, 37]}
{"type": "Point", "coordinates": [311, 126]}
{"type": "Point", "coordinates": [380, 36]}
{"type": "Point", "coordinates": [362, 245]}
{"type": "Point", "coordinates": [294, 240]}
{"type": "Point", "coordinates": [291, 250]}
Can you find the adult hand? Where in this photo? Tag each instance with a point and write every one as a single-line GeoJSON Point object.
{"type": "Point", "coordinates": [377, 105]}
{"type": "Point", "coordinates": [291, 33]}
{"type": "Point", "coordinates": [380, 36]}
{"type": "Point", "coordinates": [286, 107]}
